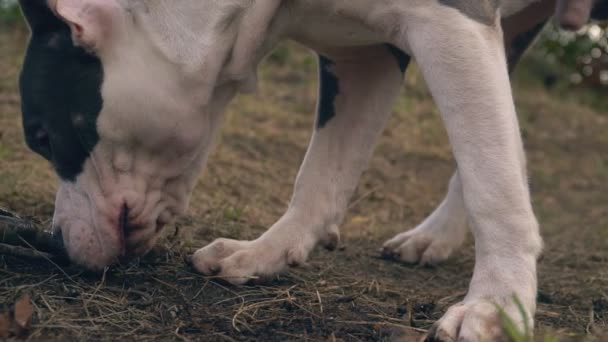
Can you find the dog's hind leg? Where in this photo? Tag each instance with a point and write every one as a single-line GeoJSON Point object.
{"type": "Point", "coordinates": [443, 232]}
{"type": "Point", "coordinates": [358, 88]}
{"type": "Point", "coordinates": [438, 236]}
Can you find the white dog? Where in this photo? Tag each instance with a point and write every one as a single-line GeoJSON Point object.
{"type": "Point", "coordinates": [125, 97]}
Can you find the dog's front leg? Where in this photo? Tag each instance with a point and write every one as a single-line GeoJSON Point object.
{"type": "Point", "coordinates": [358, 87]}
{"type": "Point", "coordinates": [464, 64]}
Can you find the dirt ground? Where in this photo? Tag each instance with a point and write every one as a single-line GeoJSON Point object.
{"type": "Point", "coordinates": [350, 294]}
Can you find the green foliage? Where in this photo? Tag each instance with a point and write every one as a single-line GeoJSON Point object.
{"type": "Point", "coordinates": [280, 55]}
{"type": "Point", "coordinates": [580, 57]}
{"type": "Point", "coordinates": [10, 14]}
{"type": "Point", "coordinates": [233, 214]}
{"type": "Point", "coordinates": [510, 327]}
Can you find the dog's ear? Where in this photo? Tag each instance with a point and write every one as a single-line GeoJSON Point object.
{"type": "Point", "coordinates": [91, 21]}
{"type": "Point", "coordinates": [39, 16]}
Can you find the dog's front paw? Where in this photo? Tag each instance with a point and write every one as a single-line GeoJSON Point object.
{"type": "Point", "coordinates": [482, 320]}
{"type": "Point", "coordinates": [501, 294]}
{"type": "Point", "coordinates": [239, 262]}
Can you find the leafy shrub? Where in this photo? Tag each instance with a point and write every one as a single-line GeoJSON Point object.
{"type": "Point", "coordinates": [579, 57]}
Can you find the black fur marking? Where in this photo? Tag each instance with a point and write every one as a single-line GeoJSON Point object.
{"type": "Point", "coordinates": [520, 44]}
{"type": "Point", "coordinates": [403, 59]}
{"type": "Point", "coordinates": [483, 11]}
{"type": "Point", "coordinates": [60, 87]}
{"type": "Point", "coordinates": [329, 88]}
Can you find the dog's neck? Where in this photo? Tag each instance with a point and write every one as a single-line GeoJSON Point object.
{"type": "Point", "coordinates": [217, 42]}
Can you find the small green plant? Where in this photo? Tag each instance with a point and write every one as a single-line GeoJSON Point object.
{"type": "Point", "coordinates": [511, 329]}
{"type": "Point", "coordinates": [280, 55]}
{"type": "Point", "coordinates": [233, 214]}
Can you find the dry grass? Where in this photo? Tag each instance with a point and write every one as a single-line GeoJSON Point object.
{"type": "Point", "coordinates": [347, 295]}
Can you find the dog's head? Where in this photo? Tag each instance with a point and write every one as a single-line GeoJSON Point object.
{"type": "Point", "coordinates": [122, 98]}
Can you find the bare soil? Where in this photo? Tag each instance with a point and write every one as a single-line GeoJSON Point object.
{"type": "Point", "coordinates": [350, 294]}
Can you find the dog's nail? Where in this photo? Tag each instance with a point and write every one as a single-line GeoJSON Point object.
{"type": "Point", "coordinates": [215, 269]}
{"type": "Point", "coordinates": [389, 254]}
{"type": "Point", "coordinates": [332, 240]}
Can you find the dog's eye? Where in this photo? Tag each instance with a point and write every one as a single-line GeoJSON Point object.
{"type": "Point", "coordinates": [40, 142]}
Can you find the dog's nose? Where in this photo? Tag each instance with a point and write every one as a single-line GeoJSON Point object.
{"type": "Point", "coordinates": [57, 247]}
{"type": "Point", "coordinates": [57, 237]}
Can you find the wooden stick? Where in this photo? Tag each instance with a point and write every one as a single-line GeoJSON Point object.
{"type": "Point", "coordinates": [18, 236]}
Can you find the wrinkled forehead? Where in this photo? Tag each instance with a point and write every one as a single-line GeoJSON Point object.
{"type": "Point", "coordinates": [60, 87]}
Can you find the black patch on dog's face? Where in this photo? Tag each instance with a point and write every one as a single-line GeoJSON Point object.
{"type": "Point", "coordinates": [60, 87]}
{"type": "Point", "coordinates": [482, 11]}
{"type": "Point", "coordinates": [329, 88]}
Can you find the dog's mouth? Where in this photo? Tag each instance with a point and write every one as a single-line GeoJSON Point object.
{"type": "Point", "coordinates": [134, 238]}
{"type": "Point", "coordinates": [123, 226]}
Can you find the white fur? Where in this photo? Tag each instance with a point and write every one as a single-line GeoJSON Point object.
{"type": "Point", "coordinates": [443, 232]}
{"type": "Point", "coordinates": [336, 157]}
{"type": "Point", "coordinates": [174, 65]}
{"type": "Point", "coordinates": [480, 120]}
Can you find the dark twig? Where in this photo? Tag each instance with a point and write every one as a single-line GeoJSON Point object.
{"type": "Point", "coordinates": [23, 252]}
{"type": "Point", "coordinates": [18, 236]}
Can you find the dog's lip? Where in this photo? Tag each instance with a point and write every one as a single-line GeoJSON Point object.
{"type": "Point", "coordinates": [127, 227]}
{"type": "Point", "coordinates": [112, 237]}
